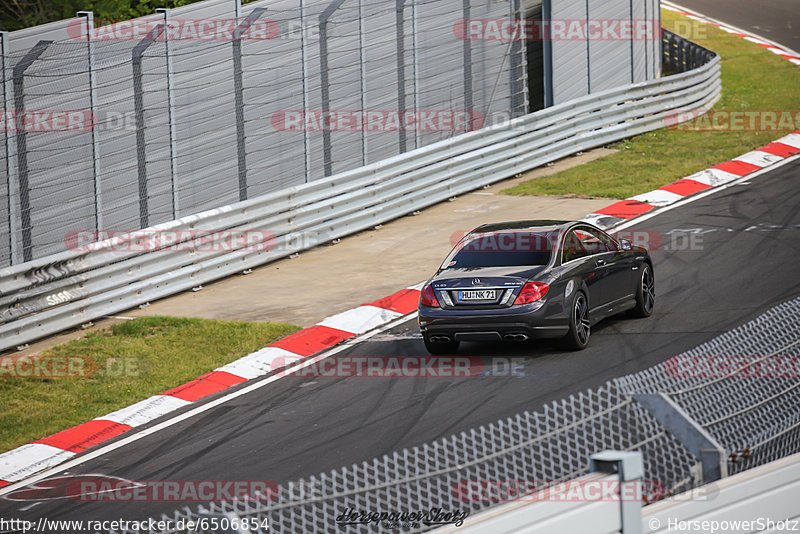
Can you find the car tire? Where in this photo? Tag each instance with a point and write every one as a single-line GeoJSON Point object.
{"type": "Point", "coordinates": [441, 348]}
{"type": "Point", "coordinates": [645, 293]}
{"type": "Point", "coordinates": [579, 328]}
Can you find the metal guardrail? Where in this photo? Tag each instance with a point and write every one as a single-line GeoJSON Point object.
{"type": "Point", "coordinates": [44, 296]}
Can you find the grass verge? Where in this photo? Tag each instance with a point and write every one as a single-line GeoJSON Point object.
{"type": "Point", "coordinates": [753, 79]}
{"type": "Point", "coordinates": [116, 368]}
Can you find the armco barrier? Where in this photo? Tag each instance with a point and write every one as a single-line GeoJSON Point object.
{"type": "Point", "coordinates": [88, 284]}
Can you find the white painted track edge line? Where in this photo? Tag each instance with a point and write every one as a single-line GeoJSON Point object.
{"type": "Point", "coordinates": [703, 194]}
{"type": "Point", "coordinates": [740, 30]}
{"type": "Point", "coordinates": [313, 359]}
{"type": "Point", "coordinates": [338, 348]}
{"type": "Point", "coordinates": [137, 435]}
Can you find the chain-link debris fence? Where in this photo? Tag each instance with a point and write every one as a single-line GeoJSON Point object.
{"type": "Point", "coordinates": [167, 116]}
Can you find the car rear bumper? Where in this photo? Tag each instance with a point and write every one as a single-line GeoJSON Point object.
{"type": "Point", "coordinates": [509, 324]}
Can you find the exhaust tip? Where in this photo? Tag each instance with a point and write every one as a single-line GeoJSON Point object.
{"type": "Point", "coordinates": [516, 337]}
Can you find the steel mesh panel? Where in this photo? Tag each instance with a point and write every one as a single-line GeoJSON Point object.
{"type": "Point", "coordinates": [55, 185]}
{"type": "Point", "coordinates": [770, 448]}
{"type": "Point", "coordinates": [753, 416]}
{"type": "Point", "coordinates": [116, 126]}
{"type": "Point", "coordinates": [209, 138]}
{"type": "Point", "coordinates": [545, 446]}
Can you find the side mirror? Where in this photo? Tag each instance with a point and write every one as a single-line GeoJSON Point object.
{"type": "Point", "coordinates": [624, 244]}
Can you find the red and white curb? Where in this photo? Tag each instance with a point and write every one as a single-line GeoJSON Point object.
{"type": "Point", "coordinates": [18, 464]}
{"type": "Point", "coordinates": [717, 175]}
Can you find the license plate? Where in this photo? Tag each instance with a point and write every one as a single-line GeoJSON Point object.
{"type": "Point", "coordinates": [484, 294]}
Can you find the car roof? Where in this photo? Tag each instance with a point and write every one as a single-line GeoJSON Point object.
{"type": "Point", "coordinates": [535, 226]}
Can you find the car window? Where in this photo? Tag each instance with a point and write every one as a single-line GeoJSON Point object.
{"type": "Point", "coordinates": [595, 242]}
{"type": "Point", "coordinates": [573, 247]}
{"type": "Point", "coordinates": [501, 249]}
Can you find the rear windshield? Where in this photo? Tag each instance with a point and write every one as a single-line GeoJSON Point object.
{"type": "Point", "coordinates": [502, 249]}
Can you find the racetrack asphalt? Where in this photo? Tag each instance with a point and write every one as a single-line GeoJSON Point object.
{"type": "Point", "coordinates": [743, 262]}
{"type": "Point", "coordinates": [745, 244]}
{"type": "Point", "coordinates": [361, 268]}
{"type": "Point", "coordinates": [777, 20]}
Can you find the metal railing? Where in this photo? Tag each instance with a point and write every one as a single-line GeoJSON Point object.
{"type": "Point", "coordinates": [64, 290]}
{"type": "Point", "coordinates": [681, 55]}
{"type": "Point", "coordinates": [217, 102]}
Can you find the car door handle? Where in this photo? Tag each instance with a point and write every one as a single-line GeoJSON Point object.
{"type": "Point", "coordinates": [600, 262]}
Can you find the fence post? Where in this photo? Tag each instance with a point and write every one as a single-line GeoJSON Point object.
{"type": "Point", "coordinates": [547, 52]}
{"type": "Point", "coordinates": [689, 433]}
{"type": "Point", "coordinates": [647, 45]}
{"type": "Point", "coordinates": [629, 466]}
{"type": "Point", "coordinates": [22, 145]}
{"type": "Point", "coordinates": [10, 184]}
{"type": "Point", "coordinates": [415, 46]}
{"type": "Point", "coordinates": [519, 85]}
{"type": "Point", "coordinates": [401, 70]}
{"type": "Point", "coordinates": [324, 82]}
{"type": "Point", "coordinates": [98, 199]}
{"type": "Point", "coordinates": [362, 45]}
{"type": "Point", "coordinates": [173, 156]}
{"type": "Point", "coordinates": [468, 103]}
{"type": "Point", "coordinates": [304, 70]}
{"type": "Point", "coordinates": [238, 94]}
{"type": "Point", "coordinates": [138, 107]}
{"type": "Point", "coordinates": [657, 12]}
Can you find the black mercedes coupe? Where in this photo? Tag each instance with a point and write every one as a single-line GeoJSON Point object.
{"type": "Point", "coordinates": [533, 279]}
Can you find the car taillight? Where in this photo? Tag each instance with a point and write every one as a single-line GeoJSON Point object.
{"type": "Point", "coordinates": [531, 292]}
{"type": "Point", "coordinates": [428, 298]}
